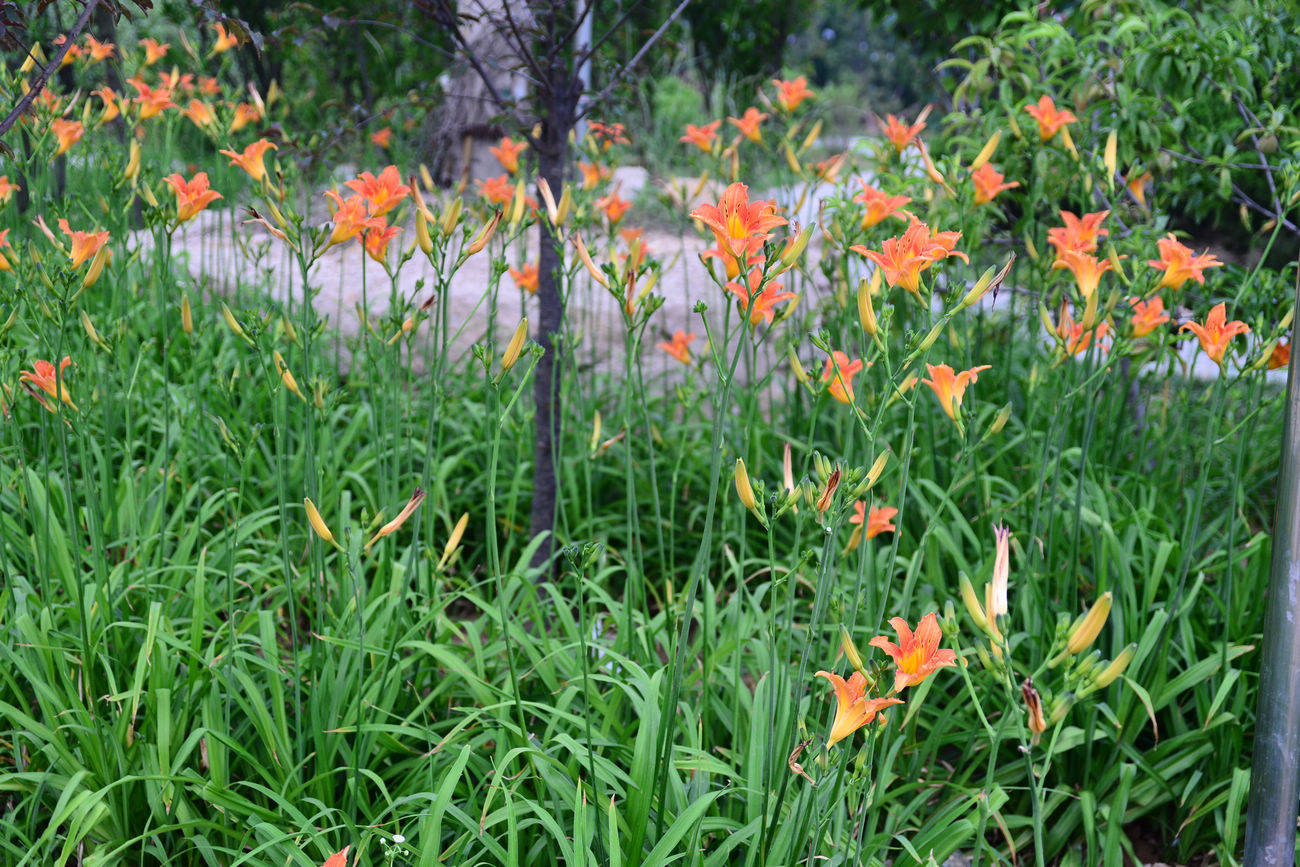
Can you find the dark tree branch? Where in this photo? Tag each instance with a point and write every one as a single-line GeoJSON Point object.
{"type": "Point", "coordinates": [56, 61]}
{"type": "Point", "coordinates": [636, 58]}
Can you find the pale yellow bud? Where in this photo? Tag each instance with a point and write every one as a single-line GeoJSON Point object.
{"type": "Point", "coordinates": [866, 312]}
{"type": "Point", "coordinates": [515, 346]}
{"type": "Point", "coordinates": [97, 267]}
{"type": "Point", "coordinates": [187, 315]}
{"type": "Point", "coordinates": [1086, 629]}
{"type": "Point", "coordinates": [234, 325]}
{"type": "Point", "coordinates": [318, 523]}
{"type": "Point", "coordinates": [986, 152]}
{"type": "Point", "coordinates": [286, 376]}
{"type": "Point", "coordinates": [1108, 158]}
{"type": "Point", "coordinates": [972, 603]}
{"type": "Point", "coordinates": [453, 541]}
{"type": "Point", "coordinates": [851, 651]}
{"type": "Point", "coordinates": [1116, 668]}
{"type": "Point", "coordinates": [743, 489]}
{"type": "Point", "coordinates": [392, 526]}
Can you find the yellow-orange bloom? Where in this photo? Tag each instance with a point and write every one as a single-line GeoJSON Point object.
{"type": "Point", "coordinates": [950, 387]}
{"type": "Point", "coordinates": [608, 134]}
{"type": "Point", "coordinates": [1178, 263]}
{"type": "Point", "coordinates": [679, 347]}
{"type": "Point", "coordinates": [1137, 187]}
{"type": "Point", "coordinates": [109, 98]}
{"type": "Point", "coordinates": [1080, 234]}
{"type": "Point", "coordinates": [252, 158]}
{"type": "Point", "coordinates": [383, 193]}
{"type": "Point", "coordinates": [791, 93]}
{"type": "Point", "coordinates": [613, 207]}
{"type": "Point", "coordinates": [853, 709]}
{"type": "Point", "coordinates": [225, 41]}
{"type": "Point", "coordinates": [154, 50]}
{"type": "Point", "coordinates": [498, 190]}
{"type": "Point", "coordinates": [84, 244]}
{"type": "Point", "coordinates": [526, 279]}
{"type": "Point", "coordinates": [749, 123]}
{"type": "Point", "coordinates": [73, 53]}
{"type": "Point", "coordinates": [899, 134]}
{"type": "Point", "coordinates": [592, 174]}
{"type": "Point", "coordinates": [903, 258]}
{"type": "Point", "coordinates": [192, 196]}
{"type": "Point", "coordinates": [1280, 356]}
{"type": "Point", "coordinates": [382, 137]}
{"type": "Point", "coordinates": [1086, 268]}
{"type": "Point", "coordinates": [838, 375]}
{"type": "Point", "coordinates": [879, 520]}
{"type": "Point", "coordinates": [1147, 316]}
{"type": "Point", "coordinates": [338, 859]}
{"type": "Point", "coordinates": [377, 238]}
{"type": "Point", "coordinates": [739, 225]}
{"type": "Point", "coordinates": [47, 379]}
{"type": "Point", "coordinates": [988, 183]}
{"type": "Point", "coordinates": [151, 101]}
{"type": "Point", "coordinates": [761, 304]}
{"type": "Point", "coordinates": [1075, 337]}
{"type": "Point", "coordinates": [200, 114]}
{"type": "Point", "coordinates": [67, 133]}
{"type": "Point", "coordinates": [1050, 120]}
{"type": "Point", "coordinates": [507, 153]}
{"type": "Point", "coordinates": [97, 50]}
{"type": "Point", "coordinates": [209, 86]}
{"type": "Point", "coordinates": [1216, 333]}
{"type": "Point", "coordinates": [7, 189]}
{"type": "Point", "coordinates": [702, 137]}
{"type": "Point", "coordinates": [5, 265]}
{"type": "Point", "coordinates": [916, 655]}
{"type": "Point", "coordinates": [350, 218]}
{"type": "Point", "coordinates": [879, 206]}
{"type": "Point", "coordinates": [245, 114]}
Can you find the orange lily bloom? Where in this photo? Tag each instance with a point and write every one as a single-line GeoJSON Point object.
{"type": "Point", "coordinates": [527, 278]}
{"type": "Point", "coordinates": [917, 655]}
{"type": "Point", "coordinates": [880, 520]}
{"type": "Point", "coordinates": [791, 93]}
{"type": "Point", "coordinates": [377, 238]}
{"type": "Point", "coordinates": [880, 206]}
{"type": "Point", "coordinates": [209, 86]}
{"type": "Point", "coordinates": [245, 114]}
{"type": "Point", "coordinates": [679, 347]}
{"type": "Point", "coordinates": [84, 244]}
{"type": "Point", "coordinates": [151, 101]}
{"type": "Point", "coordinates": [74, 51]}
{"type": "Point", "coordinates": [1147, 316]}
{"type": "Point", "coordinates": [338, 859]}
{"type": "Point", "coordinates": [498, 190]}
{"type": "Point", "coordinates": [702, 137]}
{"type": "Point", "coordinates": [4, 242]}
{"type": "Point", "coordinates": [903, 258]}
{"type": "Point", "coordinates": [7, 189]}
{"type": "Point", "coordinates": [154, 50]}
{"type": "Point", "coordinates": [507, 153]}
{"type": "Point", "coordinates": [67, 133]}
{"type": "Point", "coordinates": [1050, 120]}
{"type": "Point", "coordinates": [225, 41]}
{"type": "Point", "coordinates": [1216, 333]}
{"type": "Point", "coordinates": [592, 174]}
{"type": "Point", "coordinates": [252, 159]}
{"type": "Point", "coordinates": [1178, 263]}
{"type": "Point", "coordinates": [1137, 187]}
{"type": "Point", "coordinates": [174, 81]}
{"type": "Point", "coordinates": [47, 379]}
{"type": "Point", "coordinates": [350, 218]}
{"type": "Point", "coordinates": [98, 50]}
{"type": "Point", "coordinates": [853, 709]}
{"type": "Point", "coordinates": [613, 207]}
{"type": "Point", "coordinates": [1073, 335]}
{"type": "Point", "coordinates": [762, 308]}
{"type": "Point", "coordinates": [1280, 356]}
{"type": "Point", "coordinates": [951, 387]}
{"type": "Point", "coordinates": [111, 108]}
{"type": "Point", "coordinates": [988, 183]}
{"type": "Point", "coordinates": [739, 225]}
{"type": "Point", "coordinates": [839, 373]}
{"type": "Point", "coordinates": [608, 134]}
{"type": "Point", "coordinates": [749, 123]}
{"type": "Point", "coordinates": [49, 101]}
{"type": "Point", "coordinates": [200, 113]}
{"type": "Point", "coordinates": [1086, 268]}
{"type": "Point", "coordinates": [1079, 233]}
{"type": "Point", "coordinates": [383, 193]}
{"type": "Point", "coordinates": [192, 196]}
{"type": "Point", "coordinates": [899, 134]}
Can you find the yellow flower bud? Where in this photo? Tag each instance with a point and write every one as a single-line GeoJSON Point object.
{"type": "Point", "coordinates": [515, 346]}
{"type": "Point", "coordinates": [588, 263]}
{"type": "Point", "coordinates": [564, 208]}
{"type": "Point", "coordinates": [318, 523]}
{"type": "Point", "coordinates": [594, 440]}
{"type": "Point", "coordinates": [877, 467]}
{"type": "Point", "coordinates": [1108, 158]}
{"type": "Point", "coordinates": [422, 233]}
{"type": "Point", "coordinates": [484, 235]}
{"type": "Point", "coordinates": [102, 257]}
{"type": "Point", "coordinates": [987, 282]}
{"type": "Point", "coordinates": [1000, 421]}
{"type": "Point", "coordinates": [451, 215]}
{"type": "Point", "coordinates": [851, 651]}
{"type": "Point", "coordinates": [743, 488]}
{"type": "Point", "coordinates": [1068, 141]}
{"type": "Point", "coordinates": [392, 526]}
{"type": "Point", "coordinates": [147, 194]}
{"type": "Point", "coordinates": [866, 313]}
{"type": "Point", "coordinates": [426, 178]}
{"type": "Point", "coordinates": [548, 198]}
{"type": "Point", "coordinates": [187, 315]}
{"type": "Point", "coordinates": [453, 541]}
{"type": "Point", "coordinates": [1086, 629]}
{"type": "Point", "coordinates": [972, 603]}
{"type": "Point", "coordinates": [799, 373]}
{"type": "Point", "coordinates": [790, 159]}
{"type": "Point", "coordinates": [986, 152]}
{"type": "Point", "coordinates": [234, 325]}
{"type": "Point", "coordinates": [794, 249]}
{"type": "Point", "coordinates": [1116, 668]}
{"type": "Point", "coordinates": [132, 169]}
{"type": "Point", "coordinates": [286, 376]}
{"type": "Point", "coordinates": [91, 332]}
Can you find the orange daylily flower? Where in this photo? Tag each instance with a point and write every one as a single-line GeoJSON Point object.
{"type": "Point", "coordinates": [338, 859]}
{"type": "Point", "coordinates": [988, 183]}
{"type": "Point", "coordinates": [1073, 334]}
{"type": "Point", "coordinates": [245, 114]}
{"type": "Point", "coordinates": [47, 379]}
{"type": "Point", "coordinates": [225, 41]}
{"type": "Point", "coordinates": [67, 133]}
{"type": "Point", "coordinates": [7, 189]}
{"type": "Point", "coordinates": [49, 101]}
{"type": "Point", "coordinates": [1079, 233]}
{"type": "Point", "coordinates": [679, 347]}
{"type": "Point", "coordinates": [377, 238]}
{"type": "Point", "coordinates": [200, 113]}
{"type": "Point", "coordinates": [1179, 265]}
{"type": "Point", "coordinates": [950, 387]}
{"type": "Point", "coordinates": [853, 709]}
{"type": "Point", "coordinates": [839, 373]}
{"type": "Point", "coordinates": [192, 196]}
{"type": "Point", "coordinates": [154, 50]}
{"type": "Point", "coordinates": [174, 81]}
{"type": "Point", "coordinates": [903, 258]}
{"type": "Point", "coordinates": [613, 207]}
{"type": "Point", "coordinates": [827, 169]}
{"type": "Point", "coordinates": [899, 134]}
{"type": "Point", "coordinates": [749, 123]}
{"type": "Point", "coordinates": [608, 134]}
{"type": "Point", "coordinates": [383, 193]}
{"type": "Point", "coordinates": [880, 520]}
{"type": "Point", "coordinates": [498, 190]}
{"type": "Point", "coordinates": [1147, 315]}
{"type": "Point", "coordinates": [98, 50]}
{"type": "Point", "coordinates": [917, 655]}
{"type": "Point", "coordinates": [151, 101]}
{"type": "Point", "coordinates": [739, 225]}
{"type": "Point", "coordinates": [1216, 333]}
{"type": "Point", "coordinates": [791, 93]}
{"type": "Point", "coordinates": [526, 279]}
{"type": "Point", "coordinates": [507, 153]}
{"type": "Point", "coordinates": [84, 244]}
{"type": "Point", "coordinates": [1137, 187]}
{"type": "Point", "coordinates": [702, 137]}
{"type": "Point", "coordinates": [109, 98]}
{"type": "Point", "coordinates": [252, 159]}
{"type": "Point", "coordinates": [1050, 120]}
{"type": "Point", "coordinates": [350, 218]}
{"type": "Point", "coordinates": [74, 51]}
{"type": "Point", "coordinates": [382, 137]}
{"type": "Point", "coordinates": [879, 206]}
{"type": "Point", "coordinates": [4, 242]}
{"type": "Point", "coordinates": [592, 174]}
{"type": "Point", "coordinates": [1086, 268]}
{"type": "Point", "coordinates": [1280, 356]}
{"type": "Point", "coordinates": [761, 304]}
{"type": "Point", "coordinates": [209, 86]}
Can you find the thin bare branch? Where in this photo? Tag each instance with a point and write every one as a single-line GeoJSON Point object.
{"type": "Point", "coordinates": [636, 58]}
{"type": "Point", "coordinates": [44, 76]}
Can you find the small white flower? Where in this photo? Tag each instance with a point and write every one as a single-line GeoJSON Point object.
{"type": "Point", "coordinates": [398, 838]}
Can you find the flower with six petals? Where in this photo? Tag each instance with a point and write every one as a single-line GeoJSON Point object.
{"type": "Point", "coordinates": [950, 387]}
{"type": "Point", "coordinates": [1050, 119]}
{"type": "Point", "coordinates": [916, 655]}
{"type": "Point", "coordinates": [1217, 332]}
{"type": "Point", "coordinates": [853, 709]}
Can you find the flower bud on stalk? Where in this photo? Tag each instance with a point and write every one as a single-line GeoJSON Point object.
{"type": "Point", "coordinates": [799, 373]}
{"type": "Point", "coordinates": [866, 313]}
{"type": "Point", "coordinates": [514, 347]}
{"type": "Point", "coordinates": [851, 651]}
{"type": "Point", "coordinates": [1001, 571]}
{"type": "Point", "coordinates": [986, 283]}
{"type": "Point", "coordinates": [453, 542]}
{"type": "Point", "coordinates": [828, 495]}
{"type": "Point", "coordinates": [986, 152]}
{"type": "Point", "coordinates": [1108, 158]}
{"type": "Point", "coordinates": [1086, 629]}
{"type": "Point", "coordinates": [187, 315]}
{"type": "Point", "coordinates": [97, 264]}
{"type": "Point", "coordinates": [318, 523]}
{"type": "Point", "coordinates": [392, 526]}
{"type": "Point", "coordinates": [972, 603]}
{"type": "Point", "coordinates": [1034, 708]}
{"type": "Point", "coordinates": [1108, 674]}
{"type": "Point", "coordinates": [451, 215]}
{"type": "Point", "coordinates": [743, 488]}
